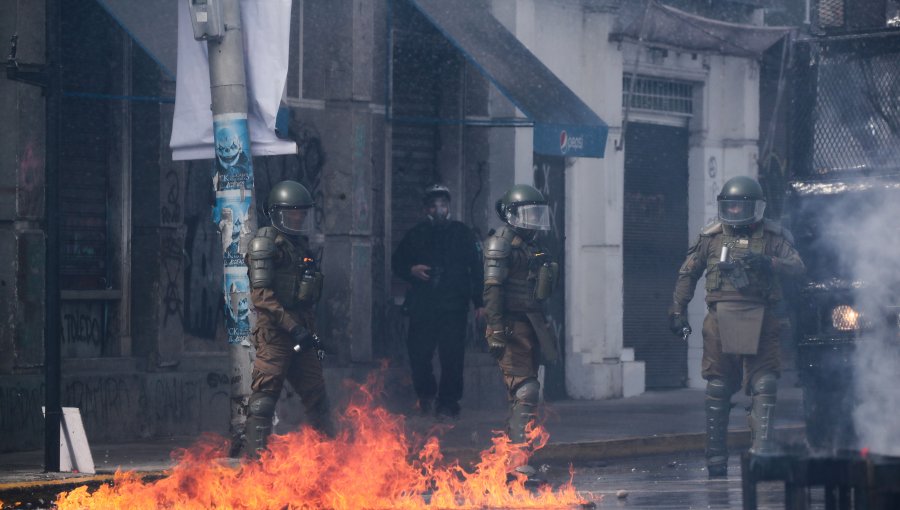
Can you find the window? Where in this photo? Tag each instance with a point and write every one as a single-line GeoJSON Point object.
{"type": "Point", "coordinates": [658, 95]}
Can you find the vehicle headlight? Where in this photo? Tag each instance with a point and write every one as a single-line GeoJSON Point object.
{"type": "Point", "coordinates": [845, 318]}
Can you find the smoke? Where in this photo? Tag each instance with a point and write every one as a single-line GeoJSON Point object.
{"type": "Point", "coordinates": [862, 230]}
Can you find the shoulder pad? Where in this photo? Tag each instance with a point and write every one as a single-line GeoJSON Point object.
{"type": "Point", "coordinates": [497, 247]}
{"type": "Point", "coordinates": [270, 232]}
{"type": "Point", "coordinates": [712, 229]}
{"type": "Point", "coordinates": [261, 247]}
{"type": "Point", "coordinates": [777, 229]}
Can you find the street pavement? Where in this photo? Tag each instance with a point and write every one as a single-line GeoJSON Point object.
{"type": "Point", "coordinates": [581, 432]}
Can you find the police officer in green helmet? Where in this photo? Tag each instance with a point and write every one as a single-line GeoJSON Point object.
{"type": "Point", "coordinates": [285, 285]}
{"type": "Point", "coordinates": [745, 258]}
{"type": "Point", "coordinates": [518, 277]}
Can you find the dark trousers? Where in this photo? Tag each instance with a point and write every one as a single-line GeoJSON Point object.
{"type": "Point", "coordinates": [444, 330]}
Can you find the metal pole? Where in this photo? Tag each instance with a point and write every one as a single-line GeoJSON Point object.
{"type": "Point", "coordinates": [52, 362]}
{"type": "Point", "coordinates": [233, 182]}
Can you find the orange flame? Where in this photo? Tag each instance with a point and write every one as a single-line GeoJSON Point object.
{"type": "Point", "coordinates": [370, 465]}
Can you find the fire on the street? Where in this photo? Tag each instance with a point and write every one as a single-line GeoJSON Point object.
{"type": "Point", "coordinates": [370, 465]}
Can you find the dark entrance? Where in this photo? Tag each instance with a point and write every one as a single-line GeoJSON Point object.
{"type": "Point", "coordinates": [654, 243]}
{"type": "Point", "coordinates": [550, 178]}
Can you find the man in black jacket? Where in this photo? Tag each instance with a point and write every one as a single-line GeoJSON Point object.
{"type": "Point", "coordinates": [441, 260]}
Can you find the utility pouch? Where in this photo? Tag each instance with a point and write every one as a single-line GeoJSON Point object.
{"type": "Point", "coordinates": [736, 275]}
{"type": "Point", "coordinates": [310, 288]}
{"type": "Point", "coordinates": [547, 276]}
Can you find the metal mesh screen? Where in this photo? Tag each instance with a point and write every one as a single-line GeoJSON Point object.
{"type": "Point", "coordinates": [830, 13]}
{"type": "Point", "coordinates": [852, 122]}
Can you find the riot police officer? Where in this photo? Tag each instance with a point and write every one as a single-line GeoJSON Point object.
{"type": "Point", "coordinates": [518, 277]}
{"type": "Point", "coordinates": [285, 285]}
{"type": "Point", "coordinates": [441, 261]}
{"type": "Point", "coordinates": [744, 257]}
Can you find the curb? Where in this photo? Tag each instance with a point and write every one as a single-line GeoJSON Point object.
{"type": "Point", "coordinates": [592, 451]}
{"type": "Point", "coordinates": [584, 451]}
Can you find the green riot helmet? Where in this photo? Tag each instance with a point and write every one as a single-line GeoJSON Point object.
{"type": "Point", "coordinates": [523, 207]}
{"type": "Point", "coordinates": [287, 206]}
{"type": "Point", "coordinates": [741, 202]}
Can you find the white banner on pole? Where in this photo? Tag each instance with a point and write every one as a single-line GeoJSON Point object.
{"type": "Point", "coordinates": [266, 28]}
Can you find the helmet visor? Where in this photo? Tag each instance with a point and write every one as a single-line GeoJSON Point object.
{"type": "Point", "coordinates": [531, 216]}
{"type": "Point", "coordinates": [741, 212]}
{"type": "Point", "coordinates": [290, 221]}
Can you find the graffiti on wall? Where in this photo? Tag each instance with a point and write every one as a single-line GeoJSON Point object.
{"type": "Point", "coordinates": [172, 258]}
{"type": "Point", "coordinates": [83, 328]}
{"type": "Point", "coordinates": [202, 311]}
{"type": "Point", "coordinates": [119, 407]}
{"type": "Point", "coordinates": [170, 211]}
{"type": "Point", "coordinates": [20, 410]}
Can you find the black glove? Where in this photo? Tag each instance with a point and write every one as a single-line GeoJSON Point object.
{"type": "Point", "coordinates": [758, 262]}
{"type": "Point", "coordinates": [678, 324]}
{"type": "Point", "coordinates": [302, 338]}
{"type": "Point", "coordinates": [496, 339]}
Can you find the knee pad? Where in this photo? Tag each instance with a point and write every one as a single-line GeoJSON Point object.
{"type": "Point", "coordinates": [717, 389]}
{"type": "Point", "coordinates": [765, 384]}
{"type": "Point", "coordinates": [528, 392]}
{"type": "Point", "coordinates": [262, 404]}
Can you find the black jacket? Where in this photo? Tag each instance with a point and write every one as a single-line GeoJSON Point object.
{"type": "Point", "coordinates": [457, 273]}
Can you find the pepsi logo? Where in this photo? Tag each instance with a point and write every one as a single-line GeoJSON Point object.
{"type": "Point", "coordinates": [567, 142]}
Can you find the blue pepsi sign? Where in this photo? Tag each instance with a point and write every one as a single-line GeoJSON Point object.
{"type": "Point", "coordinates": [572, 141]}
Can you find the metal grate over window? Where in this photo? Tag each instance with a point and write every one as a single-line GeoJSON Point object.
{"type": "Point", "coordinates": [856, 118]}
{"type": "Point", "coordinates": [658, 95]}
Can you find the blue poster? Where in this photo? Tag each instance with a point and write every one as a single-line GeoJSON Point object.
{"type": "Point", "coordinates": [237, 305]}
{"type": "Point", "coordinates": [234, 168]}
{"type": "Point", "coordinates": [231, 214]}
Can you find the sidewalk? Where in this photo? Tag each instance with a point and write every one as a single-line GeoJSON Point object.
{"type": "Point", "coordinates": [656, 422]}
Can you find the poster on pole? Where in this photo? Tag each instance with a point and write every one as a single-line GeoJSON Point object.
{"type": "Point", "coordinates": [232, 216]}
{"type": "Point", "coordinates": [237, 305]}
{"type": "Point", "coordinates": [234, 168]}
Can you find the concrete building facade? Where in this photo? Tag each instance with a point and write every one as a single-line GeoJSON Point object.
{"type": "Point", "coordinates": [382, 105]}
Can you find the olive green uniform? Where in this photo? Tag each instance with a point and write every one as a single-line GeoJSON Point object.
{"type": "Point", "coordinates": [514, 314]}
{"type": "Point", "coordinates": [727, 373]}
{"type": "Point", "coordinates": [764, 287]}
{"type": "Point", "coordinates": [277, 266]}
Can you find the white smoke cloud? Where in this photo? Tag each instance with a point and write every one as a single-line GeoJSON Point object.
{"type": "Point", "coordinates": [863, 230]}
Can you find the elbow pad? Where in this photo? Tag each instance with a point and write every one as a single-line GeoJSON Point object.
{"type": "Point", "coordinates": [496, 256]}
{"type": "Point", "coordinates": [262, 262]}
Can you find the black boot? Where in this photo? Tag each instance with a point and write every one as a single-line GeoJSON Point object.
{"type": "Point", "coordinates": [718, 408]}
{"type": "Point", "coordinates": [258, 427]}
{"type": "Point", "coordinates": [762, 415]}
{"type": "Point", "coordinates": [319, 415]}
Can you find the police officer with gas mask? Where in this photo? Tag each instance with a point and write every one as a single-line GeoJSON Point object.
{"type": "Point", "coordinates": [441, 260]}
{"type": "Point", "coordinates": [744, 257]}
{"type": "Point", "coordinates": [285, 285]}
{"type": "Point", "coordinates": [518, 277]}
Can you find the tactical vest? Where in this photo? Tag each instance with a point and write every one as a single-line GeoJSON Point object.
{"type": "Point", "coordinates": [761, 283]}
{"type": "Point", "coordinates": [296, 281]}
{"type": "Point", "coordinates": [518, 288]}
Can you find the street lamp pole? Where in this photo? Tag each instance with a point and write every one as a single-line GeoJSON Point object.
{"type": "Point", "coordinates": [219, 23]}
